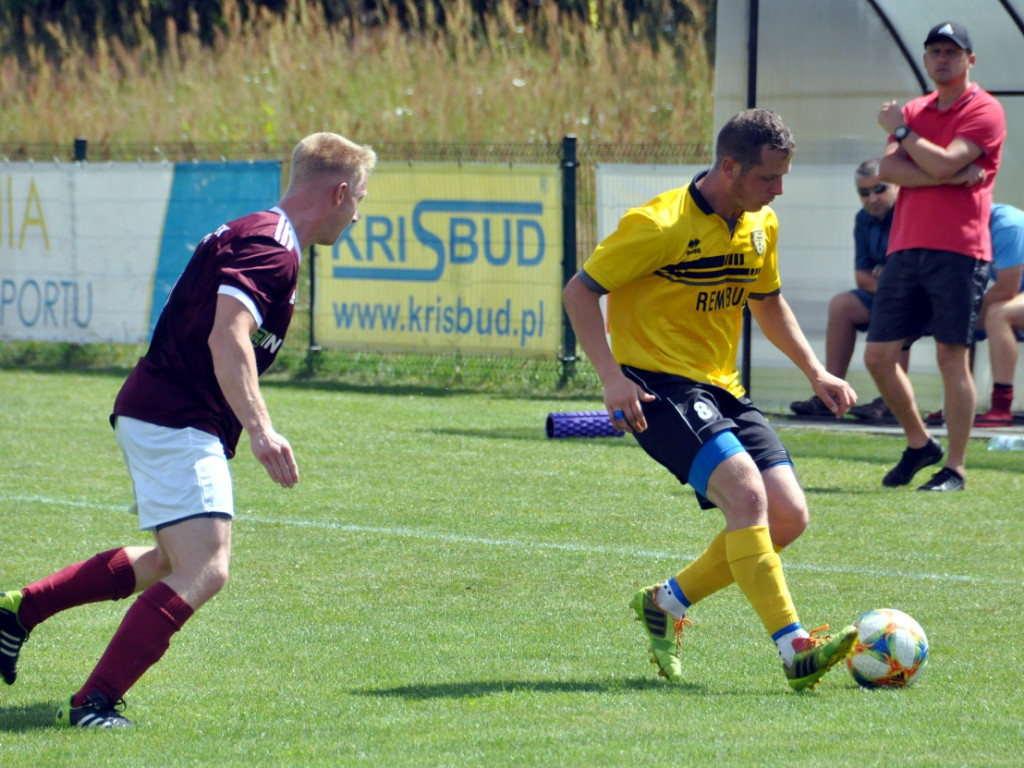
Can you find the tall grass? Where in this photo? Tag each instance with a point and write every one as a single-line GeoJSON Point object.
{"type": "Point", "coordinates": [274, 78]}
{"type": "Point", "coordinates": [266, 80]}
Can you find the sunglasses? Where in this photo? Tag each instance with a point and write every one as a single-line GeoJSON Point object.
{"type": "Point", "coordinates": [875, 190]}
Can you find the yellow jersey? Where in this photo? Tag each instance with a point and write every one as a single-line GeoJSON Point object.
{"type": "Point", "coordinates": [677, 277]}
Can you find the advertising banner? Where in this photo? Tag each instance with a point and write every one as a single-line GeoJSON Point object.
{"type": "Point", "coordinates": [447, 258]}
{"type": "Point", "coordinates": [88, 253]}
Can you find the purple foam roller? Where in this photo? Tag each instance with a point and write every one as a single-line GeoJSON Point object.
{"type": "Point", "coordinates": [581, 424]}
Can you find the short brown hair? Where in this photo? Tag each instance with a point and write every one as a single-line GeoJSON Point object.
{"type": "Point", "coordinates": [746, 133]}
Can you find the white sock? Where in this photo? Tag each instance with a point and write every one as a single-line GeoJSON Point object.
{"type": "Point", "coordinates": [670, 599]}
{"type": "Point", "coordinates": [784, 642]}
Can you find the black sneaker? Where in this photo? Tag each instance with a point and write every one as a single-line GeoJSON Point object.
{"type": "Point", "coordinates": [12, 635]}
{"type": "Point", "coordinates": [945, 479]}
{"type": "Point", "coordinates": [96, 712]}
{"type": "Point", "coordinates": [912, 462]}
{"type": "Point", "coordinates": [876, 410]}
{"type": "Point", "coordinates": [813, 407]}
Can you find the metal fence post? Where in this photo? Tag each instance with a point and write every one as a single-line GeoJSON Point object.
{"type": "Point", "coordinates": [569, 165]}
{"type": "Point", "coordinates": [313, 346]}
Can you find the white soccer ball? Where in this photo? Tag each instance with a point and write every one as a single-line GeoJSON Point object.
{"type": "Point", "coordinates": [891, 649]}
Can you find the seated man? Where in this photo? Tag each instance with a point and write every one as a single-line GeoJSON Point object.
{"type": "Point", "coordinates": [1002, 312]}
{"type": "Point", "coordinates": [849, 311]}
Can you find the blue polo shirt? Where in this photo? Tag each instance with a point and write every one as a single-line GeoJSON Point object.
{"type": "Point", "coordinates": [871, 239]}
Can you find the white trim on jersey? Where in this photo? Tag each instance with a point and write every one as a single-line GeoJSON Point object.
{"type": "Point", "coordinates": [242, 296]}
{"type": "Point", "coordinates": [285, 233]}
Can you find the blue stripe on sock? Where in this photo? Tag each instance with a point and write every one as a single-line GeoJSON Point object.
{"type": "Point", "coordinates": [786, 630]}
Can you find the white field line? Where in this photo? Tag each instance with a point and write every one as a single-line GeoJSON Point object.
{"type": "Point", "coordinates": [426, 535]}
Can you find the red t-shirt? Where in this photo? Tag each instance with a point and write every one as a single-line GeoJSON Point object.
{"type": "Point", "coordinates": [947, 217]}
{"type": "Point", "coordinates": [256, 258]}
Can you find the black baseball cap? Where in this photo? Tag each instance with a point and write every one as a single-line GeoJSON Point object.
{"type": "Point", "coordinates": [949, 30]}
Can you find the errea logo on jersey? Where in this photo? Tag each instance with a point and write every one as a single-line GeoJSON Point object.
{"type": "Point", "coordinates": [693, 247]}
{"type": "Point", "coordinates": [266, 340]}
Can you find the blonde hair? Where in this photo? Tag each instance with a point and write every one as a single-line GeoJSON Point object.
{"type": "Point", "coordinates": [330, 153]}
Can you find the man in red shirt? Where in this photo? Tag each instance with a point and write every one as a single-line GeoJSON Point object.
{"type": "Point", "coordinates": [178, 418]}
{"type": "Point", "coordinates": [944, 152]}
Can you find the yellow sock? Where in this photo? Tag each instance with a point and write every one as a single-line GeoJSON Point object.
{"type": "Point", "coordinates": [709, 573]}
{"type": "Point", "coordinates": [757, 569]}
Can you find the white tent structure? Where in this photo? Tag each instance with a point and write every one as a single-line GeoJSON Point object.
{"type": "Point", "coordinates": [826, 66]}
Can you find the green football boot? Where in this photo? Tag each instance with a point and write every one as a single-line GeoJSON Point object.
{"type": "Point", "coordinates": [818, 656]}
{"type": "Point", "coordinates": [664, 634]}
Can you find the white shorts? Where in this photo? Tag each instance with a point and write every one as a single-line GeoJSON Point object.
{"type": "Point", "coordinates": [176, 473]}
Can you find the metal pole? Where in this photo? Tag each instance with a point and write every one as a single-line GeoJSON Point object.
{"type": "Point", "coordinates": [313, 346]}
{"type": "Point", "coordinates": [569, 165]}
{"type": "Point", "coordinates": [751, 103]}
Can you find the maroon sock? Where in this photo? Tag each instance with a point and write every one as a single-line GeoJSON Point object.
{"type": "Point", "coordinates": [139, 643]}
{"type": "Point", "coordinates": [106, 576]}
{"type": "Point", "coordinates": [1002, 397]}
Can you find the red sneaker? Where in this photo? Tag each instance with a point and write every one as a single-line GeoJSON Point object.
{"type": "Point", "coordinates": [994, 418]}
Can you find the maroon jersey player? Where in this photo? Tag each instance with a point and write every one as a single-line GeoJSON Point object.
{"type": "Point", "coordinates": [178, 419]}
{"type": "Point", "coordinates": [254, 260]}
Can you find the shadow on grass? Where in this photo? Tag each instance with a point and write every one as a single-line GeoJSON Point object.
{"type": "Point", "coordinates": [405, 389]}
{"type": "Point", "coordinates": [817, 490]}
{"type": "Point", "coordinates": [474, 689]}
{"type": "Point", "coordinates": [524, 433]}
{"type": "Point", "coordinates": [27, 718]}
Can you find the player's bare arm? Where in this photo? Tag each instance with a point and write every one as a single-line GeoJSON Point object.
{"type": "Point", "coordinates": [779, 325]}
{"type": "Point", "coordinates": [235, 367]}
{"type": "Point", "coordinates": [583, 307]}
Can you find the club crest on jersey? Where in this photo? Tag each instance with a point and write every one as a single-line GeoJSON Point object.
{"type": "Point", "coordinates": [759, 240]}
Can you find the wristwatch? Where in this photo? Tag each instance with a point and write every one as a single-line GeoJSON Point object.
{"type": "Point", "coordinates": [900, 133]}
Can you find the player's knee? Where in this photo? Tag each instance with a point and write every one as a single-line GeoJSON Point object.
{"type": "Point", "coordinates": [789, 525]}
{"type": "Point", "coordinates": [876, 358]}
{"type": "Point", "coordinates": [218, 580]}
{"type": "Point", "coordinates": [839, 306]}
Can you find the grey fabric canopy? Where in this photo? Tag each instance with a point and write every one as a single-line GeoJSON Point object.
{"type": "Point", "coordinates": [827, 65]}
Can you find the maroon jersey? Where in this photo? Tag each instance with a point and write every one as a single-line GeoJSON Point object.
{"type": "Point", "coordinates": [255, 259]}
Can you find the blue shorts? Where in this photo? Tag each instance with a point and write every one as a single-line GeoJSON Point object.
{"type": "Point", "coordinates": [687, 414]}
{"type": "Point", "coordinates": [868, 300]}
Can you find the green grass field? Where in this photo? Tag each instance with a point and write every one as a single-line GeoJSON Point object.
{"type": "Point", "coordinates": [448, 587]}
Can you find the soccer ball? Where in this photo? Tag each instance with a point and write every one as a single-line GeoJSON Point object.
{"type": "Point", "coordinates": [891, 649]}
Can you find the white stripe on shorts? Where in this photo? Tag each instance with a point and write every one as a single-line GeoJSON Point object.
{"type": "Point", "coordinates": [176, 473]}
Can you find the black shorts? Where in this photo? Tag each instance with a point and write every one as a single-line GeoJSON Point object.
{"type": "Point", "coordinates": [923, 289]}
{"type": "Point", "coordinates": [686, 414]}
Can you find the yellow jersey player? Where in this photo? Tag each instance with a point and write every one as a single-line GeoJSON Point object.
{"type": "Point", "coordinates": [678, 272]}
